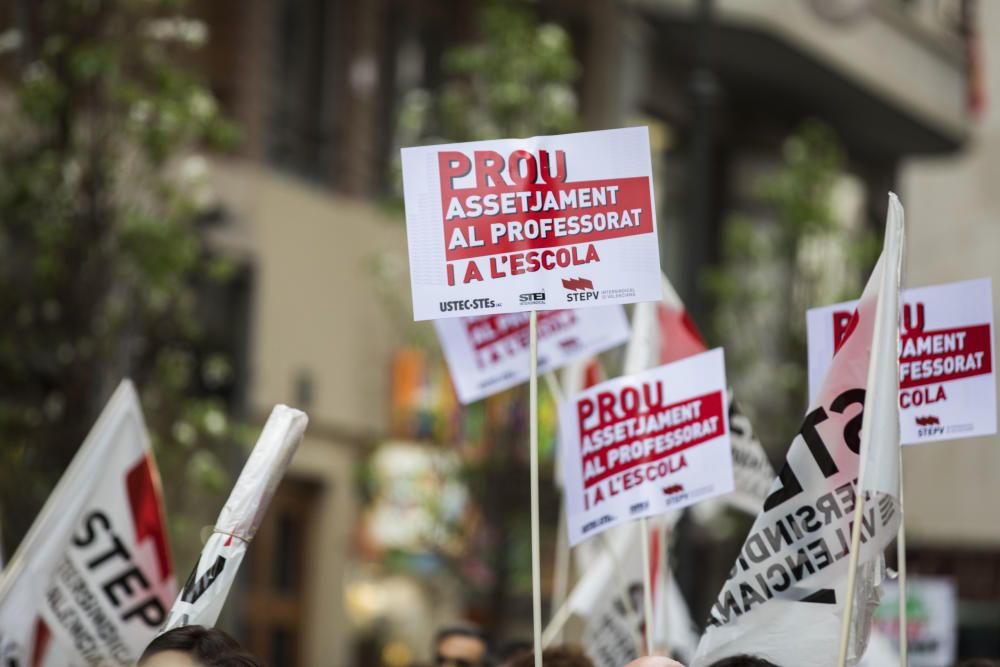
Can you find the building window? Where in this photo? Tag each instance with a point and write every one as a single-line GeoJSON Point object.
{"type": "Point", "coordinates": [300, 124]}
{"type": "Point", "coordinates": [274, 594]}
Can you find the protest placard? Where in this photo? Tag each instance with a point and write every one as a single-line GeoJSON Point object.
{"type": "Point", "coordinates": [523, 224]}
{"type": "Point", "coordinates": [640, 445]}
{"type": "Point", "coordinates": [947, 380]}
{"type": "Point", "coordinates": [608, 598]}
{"type": "Point", "coordinates": [489, 353]}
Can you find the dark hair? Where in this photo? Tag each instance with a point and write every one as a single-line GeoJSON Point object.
{"type": "Point", "coordinates": [463, 630]}
{"type": "Point", "coordinates": [207, 646]}
{"type": "Point", "coordinates": [512, 649]}
{"type": "Point", "coordinates": [978, 662]}
{"type": "Point", "coordinates": [559, 656]}
{"type": "Point", "coordinates": [743, 661]}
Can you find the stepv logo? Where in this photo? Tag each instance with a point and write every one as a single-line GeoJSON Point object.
{"type": "Point", "coordinates": [929, 425]}
{"type": "Point", "coordinates": [532, 298]}
{"type": "Point", "coordinates": [575, 284]}
{"type": "Point", "coordinates": [569, 343]}
{"type": "Point", "coordinates": [580, 289]}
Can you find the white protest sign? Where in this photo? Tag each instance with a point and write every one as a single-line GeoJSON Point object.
{"type": "Point", "coordinates": [644, 444]}
{"type": "Point", "coordinates": [931, 619]}
{"type": "Point", "coordinates": [92, 581]}
{"type": "Point", "coordinates": [489, 353]}
{"type": "Point", "coordinates": [526, 224]}
{"type": "Point", "coordinates": [947, 381]}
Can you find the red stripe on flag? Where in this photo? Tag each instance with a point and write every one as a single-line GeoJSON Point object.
{"type": "Point", "coordinates": [40, 645]}
{"type": "Point", "coordinates": [144, 501]}
{"type": "Point", "coordinates": [679, 337]}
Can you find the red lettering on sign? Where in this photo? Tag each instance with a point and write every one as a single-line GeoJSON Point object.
{"type": "Point", "coordinates": [929, 357]}
{"type": "Point", "coordinates": [524, 202]}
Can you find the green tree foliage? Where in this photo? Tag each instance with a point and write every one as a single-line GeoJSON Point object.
{"type": "Point", "coordinates": [514, 80]}
{"type": "Point", "coordinates": [100, 255]}
{"type": "Point", "coordinates": [796, 254]}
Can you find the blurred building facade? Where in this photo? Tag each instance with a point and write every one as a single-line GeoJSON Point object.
{"type": "Point", "coordinates": [953, 234]}
{"type": "Point", "coordinates": [315, 85]}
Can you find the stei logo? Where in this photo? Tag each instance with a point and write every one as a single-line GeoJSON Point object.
{"type": "Point", "coordinates": [532, 298]}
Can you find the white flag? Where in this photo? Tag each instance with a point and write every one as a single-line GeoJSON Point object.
{"type": "Point", "coordinates": [92, 581]}
{"type": "Point", "coordinates": [784, 597]}
{"type": "Point", "coordinates": [609, 598]}
{"type": "Point", "coordinates": [204, 594]}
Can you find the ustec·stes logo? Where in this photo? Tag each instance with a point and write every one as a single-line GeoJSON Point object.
{"type": "Point", "coordinates": [580, 289]}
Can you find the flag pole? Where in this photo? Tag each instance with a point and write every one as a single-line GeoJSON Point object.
{"type": "Point", "coordinates": [665, 593]}
{"type": "Point", "coordinates": [891, 267]}
{"type": "Point", "coordinates": [647, 585]}
{"type": "Point", "coordinates": [901, 569]}
{"type": "Point", "coordinates": [560, 574]}
{"type": "Point", "coordinates": [852, 572]}
{"type": "Point", "coordinates": [859, 503]}
{"type": "Point", "coordinates": [561, 565]}
{"type": "Point", "coordinates": [536, 567]}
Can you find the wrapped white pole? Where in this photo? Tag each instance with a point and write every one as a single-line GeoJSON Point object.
{"type": "Point", "coordinates": [201, 600]}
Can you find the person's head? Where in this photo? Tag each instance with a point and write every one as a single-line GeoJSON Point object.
{"type": "Point", "coordinates": [654, 661]}
{"type": "Point", "coordinates": [196, 646]}
{"type": "Point", "coordinates": [461, 646]}
{"type": "Point", "coordinates": [507, 652]}
{"type": "Point", "coordinates": [558, 656]}
{"type": "Point", "coordinates": [743, 661]}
